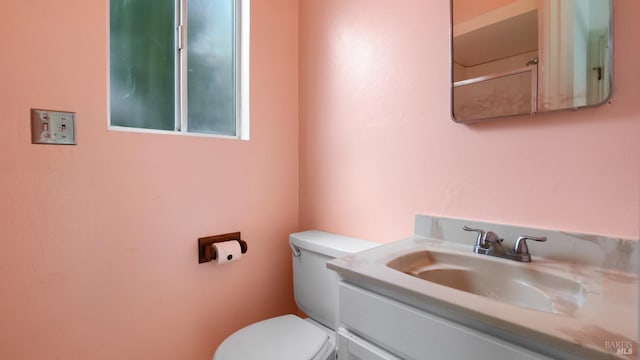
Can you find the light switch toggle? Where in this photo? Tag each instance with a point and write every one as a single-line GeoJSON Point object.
{"type": "Point", "coordinates": [52, 127]}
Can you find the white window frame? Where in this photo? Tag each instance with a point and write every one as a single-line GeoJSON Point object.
{"type": "Point", "coordinates": [243, 35]}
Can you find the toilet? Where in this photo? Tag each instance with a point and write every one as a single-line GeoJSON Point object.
{"type": "Point", "coordinates": [290, 337]}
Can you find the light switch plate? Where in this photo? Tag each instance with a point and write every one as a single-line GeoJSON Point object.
{"type": "Point", "coordinates": [52, 127]}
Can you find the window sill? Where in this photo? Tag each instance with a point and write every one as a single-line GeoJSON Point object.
{"type": "Point", "coordinates": [178, 133]}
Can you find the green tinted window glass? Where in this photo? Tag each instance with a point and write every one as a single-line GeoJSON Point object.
{"type": "Point", "coordinates": [142, 61]}
{"type": "Point", "coordinates": [211, 66]}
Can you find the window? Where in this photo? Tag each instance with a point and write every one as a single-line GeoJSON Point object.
{"type": "Point", "coordinates": [180, 66]}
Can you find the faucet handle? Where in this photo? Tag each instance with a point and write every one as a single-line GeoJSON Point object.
{"type": "Point", "coordinates": [480, 232]}
{"type": "Point", "coordinates": [522, 250]}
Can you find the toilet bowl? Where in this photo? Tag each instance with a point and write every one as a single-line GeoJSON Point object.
{"type": "Point", "coordinates": [286, 337]}
{"type": "Point", "coordinates": [290, 337]}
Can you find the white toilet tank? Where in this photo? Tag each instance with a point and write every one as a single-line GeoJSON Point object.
{"type": "Point", "coordinates": [316, 287]}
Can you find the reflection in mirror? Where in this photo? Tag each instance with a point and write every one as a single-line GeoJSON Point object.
{"type": "Point", "coordinates": [515, 57]}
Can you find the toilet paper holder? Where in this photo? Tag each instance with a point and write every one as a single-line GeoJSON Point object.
{"type": "Point", "coordinates": [206, 253]}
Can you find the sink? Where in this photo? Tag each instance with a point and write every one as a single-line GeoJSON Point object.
{"type": "Point", "coordinates": [506, 281]}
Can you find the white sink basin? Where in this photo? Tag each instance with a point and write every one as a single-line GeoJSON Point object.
{"type": "Point", "coordinates": [498, 279]}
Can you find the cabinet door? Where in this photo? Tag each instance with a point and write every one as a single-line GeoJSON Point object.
{"type": "Point", "coordinates": [351, 347]}
{"type": "Point", "coordinates": [413, 334]}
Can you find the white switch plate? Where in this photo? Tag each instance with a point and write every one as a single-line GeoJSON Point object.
{"type": "Point", "coordinates": [52, 127]}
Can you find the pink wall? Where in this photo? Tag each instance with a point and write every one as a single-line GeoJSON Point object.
{"type": "Point", "coordinates": [99, 257]}
{"type": "Point", "coordinates": [378, 144]}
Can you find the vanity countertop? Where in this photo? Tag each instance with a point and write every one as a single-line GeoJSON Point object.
{"type": "Point", "coordinates": [606, 321]}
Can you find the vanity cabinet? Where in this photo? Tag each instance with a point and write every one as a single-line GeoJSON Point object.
{"type": "Point", "coordinates": [352, 347]}
{"type": "Point", "coordinates": [372, 326]}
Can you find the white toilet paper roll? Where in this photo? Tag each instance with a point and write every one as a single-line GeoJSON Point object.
{"type": "Point", "coordinates": [227, 251]}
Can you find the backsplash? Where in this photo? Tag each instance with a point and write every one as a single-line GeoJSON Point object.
{"type": "Point", "coordinates": [577, 248]}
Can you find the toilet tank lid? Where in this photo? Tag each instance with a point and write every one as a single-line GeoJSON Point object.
{"type": "Point", "coordinates": [329, 244]}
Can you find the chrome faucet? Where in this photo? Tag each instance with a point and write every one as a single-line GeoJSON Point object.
{"type": "Point", "coordinates": [489, 243]}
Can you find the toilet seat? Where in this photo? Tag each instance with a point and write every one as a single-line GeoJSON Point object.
{"type": "Point", "coordinates": [286, 337]}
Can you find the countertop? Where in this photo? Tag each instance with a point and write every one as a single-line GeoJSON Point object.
{"type": "Point", "coordinates": [606, 321]}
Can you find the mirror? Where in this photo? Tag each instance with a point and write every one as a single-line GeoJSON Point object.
{"type": "Point", "coordinates": [515, 57]}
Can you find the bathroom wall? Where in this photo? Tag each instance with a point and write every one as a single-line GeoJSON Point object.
{"type": "Point", "coordinates": [99, 256]}
{"type": "Point", "coordinates": [378, 144]}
